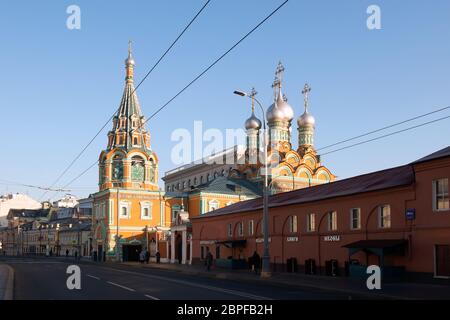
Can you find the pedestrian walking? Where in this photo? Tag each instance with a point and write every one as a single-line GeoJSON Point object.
{"type": "Point", "coordinates": [142, 256]}
{"type": "Point", "coordinates": [256, 259]}
{"type": "Point", "coordinates": [158, 257]}
{"type": "Point", "coordinates": [67, 253]}
{"type": "Point", "coordinates": [209, 260]}
{"type": "Point", "coordinates": [147, 256]}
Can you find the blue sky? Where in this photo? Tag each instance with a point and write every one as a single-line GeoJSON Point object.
{"type": "Point", "coordinates": [59, 86]}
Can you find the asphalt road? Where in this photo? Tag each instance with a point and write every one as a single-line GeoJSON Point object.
{"type": "Point", "coordinates": [45, 279]}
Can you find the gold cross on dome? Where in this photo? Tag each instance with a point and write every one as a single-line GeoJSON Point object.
{"type": "Point", "coordinates": [252, 95]}
{"type": "Point", "coordinates": [305, 93]}
{"type": "Point", "coordinates": [279, 71]}
{"type": "Point", "coordinates": [129, 46]}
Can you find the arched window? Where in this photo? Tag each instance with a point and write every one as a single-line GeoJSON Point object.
{"type": "Point", "coordinates": [117, 168]}
{"type": "Point", "coordinates": [195, 181]}
{"type": "Point", "coordinates": [240, 229]}
{"type": "Point", "coordinates": [135, 141]}
{"type": "Point", "coordinates": [292, 224]}
{"type": "Point", "coordinates": [201, 179]}
{"type": "Point", "coordinates": [137, 169]}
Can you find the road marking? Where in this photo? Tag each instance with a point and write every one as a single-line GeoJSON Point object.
{"type": "Point", "coordinates": [192, 284]}
{"type": "Point", "coordinates": [120, 286]}
{"type": "Point", "coordinates": [151, 297]}
{"type": "Point", "coordinates": [93, 277]}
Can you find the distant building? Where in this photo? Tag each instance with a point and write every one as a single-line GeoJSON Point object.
{"type": "Point", "coordinates": [15, 201]}
{"type": "Point", "coordinates": [19, 222]}
{"type": "Point", "coordinates": [68, 201]}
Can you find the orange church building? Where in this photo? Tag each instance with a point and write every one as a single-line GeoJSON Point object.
{"type": "Point", "coordinates": [129, 211]}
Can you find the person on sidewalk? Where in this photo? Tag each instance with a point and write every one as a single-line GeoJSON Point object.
{"type": "Point", "coordinates": [256, 262]}
{"type": "Point", "coordinates": [67, 253]}
{"type": "Point", "coordinates": [209, 260]}
{"type": "Point", "coordinates": [142, 256]}
{"type": "Point", "coordinates": [158, 257]}
{"type": "Point", "coordinates": [147, 256]}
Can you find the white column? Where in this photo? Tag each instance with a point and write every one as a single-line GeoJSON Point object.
{"type": "Point", "coordinates": [184, 247]}
{"type": "Point", "coordinates": [167, 250]}
{"type": "Point", "coordinates": [172, 246]}
{"type": "Point", "coordinates": [190, 251]}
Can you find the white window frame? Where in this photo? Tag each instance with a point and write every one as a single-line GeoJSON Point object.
{"type": "Point", "coordinates": [293, 224]}
{"type": "Point", "coordinates": [251, 227]}
{"type": "Point", "coordinates": [352, 218]}
{"type": "Point", "coordinates": [149, 207]}
{"type": "Point", "coordinates": [213, 205]}
{"type": "Point", "coordinates": [332, 221]}
{"type": "Point", "coordinates": [240, 229]}
{"type": "Point", "coordinates": [230, 230]}
{"type": "Point", "coordinates": [175, 209]}
{"type": "Point", "coordinates": [381, 217]}
{"type": "Point", "coordinates": [443, 194]}
{"type": "Point", "coordinates": [126, 205]}
{"type": "Point", "coordinates": [311, 223]}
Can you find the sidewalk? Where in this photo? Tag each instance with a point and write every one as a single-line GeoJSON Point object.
{"type": "Point", "coordinates": [6, 282]}
{"type": "Point", "coordinates": [352, 287]}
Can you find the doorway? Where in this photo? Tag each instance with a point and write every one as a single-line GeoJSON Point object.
{"type": "Point", "coordinates": [131, 252]}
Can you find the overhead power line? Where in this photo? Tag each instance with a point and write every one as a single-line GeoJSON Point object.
{"type": "Point", "coordinates": [201, 74]}
{"type": "Point", "coordinates": [214, 63]}
{"type": "Point", "coordinates": [9, 183]}
{"type": "Point", "coordinates": [386, 135]}
{"type": "Point", "coordinates": [383, 128]}
{"type": "Point", "coordinates": [138, 85]}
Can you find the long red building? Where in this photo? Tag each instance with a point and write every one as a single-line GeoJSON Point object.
{"type": "Point", "coordinates": [397, 218]}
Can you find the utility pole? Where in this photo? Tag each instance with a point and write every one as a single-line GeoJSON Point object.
{"type": "Point", "coordinates": [265, 272]}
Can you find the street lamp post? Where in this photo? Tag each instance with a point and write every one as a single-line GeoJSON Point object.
{"type": "Point", "coordinates": [265, 271]}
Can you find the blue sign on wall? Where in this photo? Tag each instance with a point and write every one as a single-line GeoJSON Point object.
{"type": "Point", "coordinates": [410, 214]}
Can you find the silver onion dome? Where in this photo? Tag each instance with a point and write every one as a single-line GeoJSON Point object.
{"type": "Point", "coordinates": [253, 123]}
{"type": "Point", "coordinates": [129, 61]}
{"type": "Point", "coordinates": [274, 113]}
{"type": "Point", "coordinates": [306, 120]}
{"type": "Point", "coordinates": [280, 110]}
{"type": "Point", "coordinates": [285, 107]}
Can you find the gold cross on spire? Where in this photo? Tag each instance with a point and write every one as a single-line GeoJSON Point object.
{"type": "Point", "coordinates": [279, 73]}
{"type": "Point", "coordinates": [129, 46]}
{"type": "Point", "coordinates": [252, 95]}
{"type": "Point", "coordinates": [305, 93]}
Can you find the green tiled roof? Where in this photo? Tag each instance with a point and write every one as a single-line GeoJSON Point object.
{"type": "Point", "coordinates": [226, 185]}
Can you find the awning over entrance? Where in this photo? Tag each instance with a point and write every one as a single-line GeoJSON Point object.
{"type": "Point", "coordinates": [380, 247]}
{"type": "Point", "coordinates": [233, 243]}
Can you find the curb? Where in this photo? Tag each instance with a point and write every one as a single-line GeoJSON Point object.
{"type": "Point", "coordinates": [9, 288]}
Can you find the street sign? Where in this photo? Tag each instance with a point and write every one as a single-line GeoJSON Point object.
{"type": "Point", "coordinates": [410, 214]}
